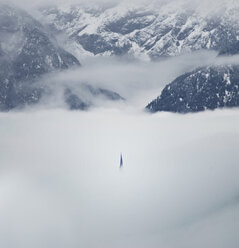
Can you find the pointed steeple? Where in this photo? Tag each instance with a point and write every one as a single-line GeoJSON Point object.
{"type": "Point", "coordinates": [121, 161]}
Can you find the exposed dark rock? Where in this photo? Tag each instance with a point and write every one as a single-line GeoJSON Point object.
{"type": "Point", "coordinates": [96, 44]}
{"type": "Point", "coordinates": [87, 95]}
{"type": "Point", "coordinates": [108, 94]}
{"type": "Point", "coordinates": [74, 102]}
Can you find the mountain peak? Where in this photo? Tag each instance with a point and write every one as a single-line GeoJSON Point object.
{"type": "Point", "coordinates": [167, 28]}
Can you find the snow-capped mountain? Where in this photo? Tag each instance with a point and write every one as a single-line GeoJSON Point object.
{"type": "Point", "coordinates": [27, 51]}
{"type": "Point", "coordinates": [156, 30]}
{"type": "Point", "coordinates": [146, 30]}
{"type": "Point", "coordinates": [205, 88]}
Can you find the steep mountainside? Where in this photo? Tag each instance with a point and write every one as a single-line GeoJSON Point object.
{"type": "Point", "coordinates": [27, 51]}
{"type": "Point", "coordinates": [204, 88]}
{"type": "Point", "coordinates": [149, 30]}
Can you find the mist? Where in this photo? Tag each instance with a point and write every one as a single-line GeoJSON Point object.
{"type": "Point", "coordinates": [203, 6]}
{"type": "Point", "coordinates": [61, 184]}
{"type": "Point", "coordinates": [137, 81]}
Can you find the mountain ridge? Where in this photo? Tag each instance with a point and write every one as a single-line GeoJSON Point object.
{"type": "Point", "coordinates": [26, 53]}
{"type": "Point", "coordinates": [206, 88]}
{"type": "Point", "coordinates": [146, 31]}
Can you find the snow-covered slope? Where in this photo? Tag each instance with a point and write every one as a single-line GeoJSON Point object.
{"type": "Point", "coordinates": [148, 30]}
{"type": "Point", "coordinates": [205, 88]}
{"type": "Point", "coordinates": [159, 29]}
{"type": "Point", "coordinates": [26, 53]}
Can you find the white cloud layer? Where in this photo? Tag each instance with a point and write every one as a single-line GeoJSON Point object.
{"type": "Point", "coordinates": [60, 183]}
{"type": "Point", "coordinates": [139, 82]}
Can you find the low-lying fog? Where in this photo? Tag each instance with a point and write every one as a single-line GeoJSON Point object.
{"type": "Point", "coordinates": [137, 81]}
{"type": "Point", "coordinates": [61, 186]}
{"type": "Point", "coordinates": [60, 181]}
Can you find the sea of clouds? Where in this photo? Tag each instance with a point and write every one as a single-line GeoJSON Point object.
{"type": "Point", "coordinates": [60, 182]}
{"type": "Point", "coordinates": [61, 186]}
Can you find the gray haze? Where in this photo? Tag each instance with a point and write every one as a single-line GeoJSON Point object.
{"type": "Point", "coordinates": [61, 185]}
{"type": "Point", "coordinates": [137, 81]}
{"type": "Point", "coordinates": [60, 182]}
{"type": "Point", "coordinates": [201, 5]}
